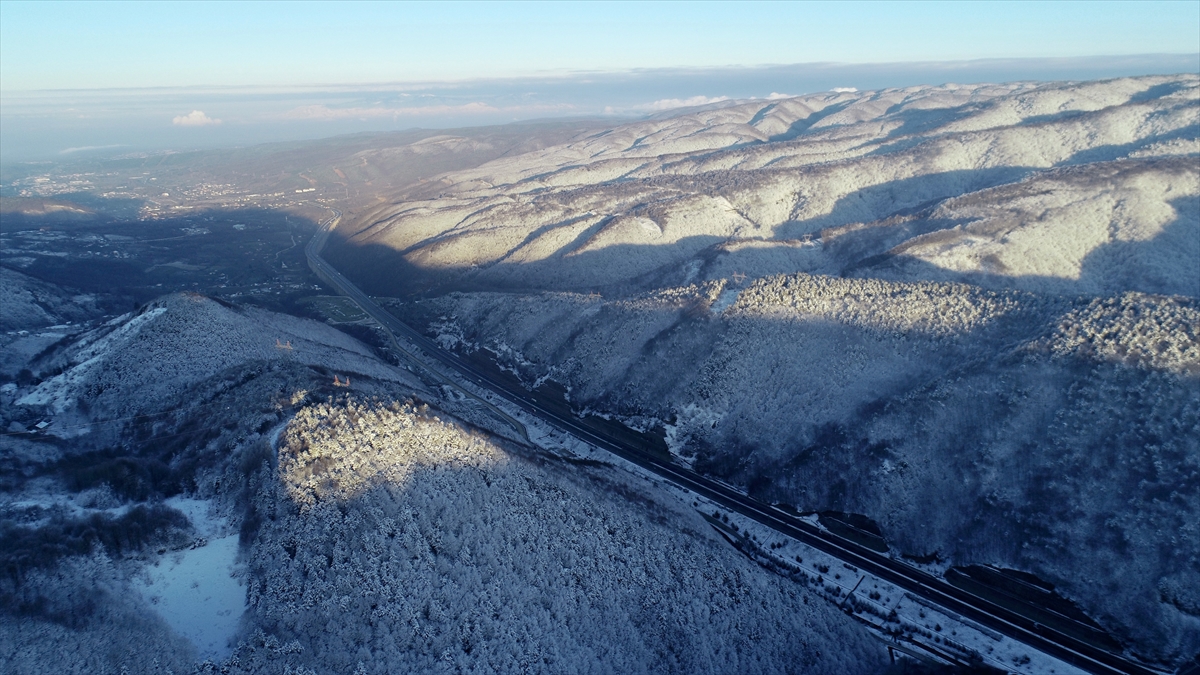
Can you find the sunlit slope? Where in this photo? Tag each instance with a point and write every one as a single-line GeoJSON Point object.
{"type": "Point", "coordinates": [1039, 178]}
{"type": "Point", "coordinates": [397, 542]}
{"type": "Point", "coordinates": [1101, 228]}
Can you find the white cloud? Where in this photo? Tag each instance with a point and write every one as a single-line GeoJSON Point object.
{"type": "Point", "coordinates": [775, 96]}
{"type": "Point", "coordinates": [669, 103]}
{"type": "Point", "coordinates": [844, 90]}
{"type": "Point", "coordinates": [196, 118]}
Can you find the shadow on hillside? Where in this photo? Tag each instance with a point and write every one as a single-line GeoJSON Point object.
{"type": "Point", "coordinates": [802, 125]}
{"type": "Point", "coordinates": [381, 270]}
{"type": "Point", "coordinates": [1164, 264]}
{"type": "Point", "coordinates": [218, 252]}
{"type": "Point", "coordinates": [904, 197]}
{"type": "Point", "coordinates": [1108, 153]}
{"type": "Point", "coordinates": [73, 210]}
{"type": "Point", "coordinates": [1168, 264]}
{"type": "Point", "coordinates": [918, 121]}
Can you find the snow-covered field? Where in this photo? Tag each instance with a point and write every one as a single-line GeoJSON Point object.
{"type": "Point", "coordinates": [198, 595]}
{"type": "Point", "coordinates": [199, 591]}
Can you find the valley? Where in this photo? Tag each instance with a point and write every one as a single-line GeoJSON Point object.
{"type": "Point", "coordinates": [576, 360]}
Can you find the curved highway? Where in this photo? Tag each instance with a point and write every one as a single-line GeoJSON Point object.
{"type": "Point", "coordinates": [331, 276]}
{"type": "Point", "coordinates": [933, 589]}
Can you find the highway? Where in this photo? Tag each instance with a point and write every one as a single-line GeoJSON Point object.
{"type": "Point", "coordinates": [919, 583]}
{"type": "Point", "coordinates": [331, 276]}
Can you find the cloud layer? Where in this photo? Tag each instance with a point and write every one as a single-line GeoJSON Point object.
{"type": "Point", "coordinates": [669, 103]}
{"type": "Point", "coordinates": [89, 148]}
{"type": "Point", "coordinates": [324, 112]}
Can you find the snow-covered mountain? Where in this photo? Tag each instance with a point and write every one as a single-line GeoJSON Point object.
{"type": "Point", "coordinates": [969, 312]}
{"type": "Point", "coordinates": [203, 491]}
{"type": "Point", "coordinates": [430, 549]}
{"type": "Point", "coordinates": [1045, 187]}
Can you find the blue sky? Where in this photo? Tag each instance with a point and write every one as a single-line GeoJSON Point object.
{"type": "Point", "coordinates": [135, 75]}
{"type": "Point", "coordinates": [101, 45]}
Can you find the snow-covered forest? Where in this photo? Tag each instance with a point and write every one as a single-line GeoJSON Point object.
{"type": "Point", "coordinates": [398, 542]}
{"type": "Point", "coordinates": [946, 412]}
{"type": "Point", "coordinates": [968, 312]}
{"type": "Point", "coordinates": [377, 534]}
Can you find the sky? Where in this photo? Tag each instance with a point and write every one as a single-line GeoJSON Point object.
{"type": "Point", "coordinates": [157, 75]}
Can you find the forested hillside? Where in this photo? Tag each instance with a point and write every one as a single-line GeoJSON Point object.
{"type": "Point", "coordinates": [199, 448]}
{"type": "Point", "coordinates": [967, 312]}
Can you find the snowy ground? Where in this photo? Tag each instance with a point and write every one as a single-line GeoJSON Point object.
{"type": "Point", "coordinates": [199, 592]}
{"type": "Point", "coordinates": [927, 629]}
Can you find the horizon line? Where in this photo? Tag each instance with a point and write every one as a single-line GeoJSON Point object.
{"type": "Point", "coordinates": [551, 75]}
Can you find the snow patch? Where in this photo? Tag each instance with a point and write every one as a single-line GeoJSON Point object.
{"type": "Point", "coordinates": [687, 421]}
{"type": "Point", "coordinates": [199, 513]}
{"type": "Point", "coordinates": [197, 594]}
{"type": "Point", "coordinates": [725, 299]}
{"type": "Point", "coordinates": [57, 392]}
